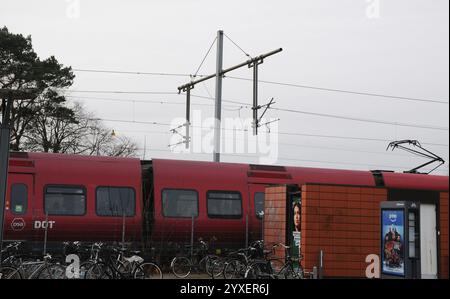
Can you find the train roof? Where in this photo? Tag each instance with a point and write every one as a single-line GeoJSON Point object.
{"type": "Point", "coordinates": [299, 175]}
{"type": "Point", "coordinates": [229, 172]}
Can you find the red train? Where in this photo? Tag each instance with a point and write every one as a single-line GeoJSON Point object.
{"type": "Point", "coordinates": [160, 201]}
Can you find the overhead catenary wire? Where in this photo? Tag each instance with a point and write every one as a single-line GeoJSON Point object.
{"type": "Point", "coordinates": [304, 86]}
{"type": "Point", "coordinates": [162, 102]}
{"type": "Point", "coordinates": [368, 94]}
{"type": "Point", "coordinates": [132, 72]}
{"type": "Point", "coordinates": [280, 133]}
{"type": "Point", "coordinates": [349, 118]}
{"type": "Point", "coordinates": [421, 126]}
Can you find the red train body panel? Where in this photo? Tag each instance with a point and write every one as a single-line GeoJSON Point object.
{"type": "Point", "coordinates": [90, 179]}
{"type": "Point", "coordinates": [37, 171]}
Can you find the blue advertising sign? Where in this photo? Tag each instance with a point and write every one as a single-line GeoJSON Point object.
{"type": "Point", "coordinates": [392, 239]}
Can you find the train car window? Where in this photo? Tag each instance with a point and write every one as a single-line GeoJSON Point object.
{"type": "Point", "coordinates": [115, 201]}
{"type": "Point", "coordinates": [224, 204]}
{"type": "Point", "coordinates": [62, 200]}
{"type": "Point", "coordinates": [19, 199]}
{"type": "Point", "coordinates": [259, 204]}
{"type": "Point", "coordinates": [180, 203]}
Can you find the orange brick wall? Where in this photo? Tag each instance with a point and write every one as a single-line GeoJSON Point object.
{"type": "Point", "coordinates": [344, 222]}
{"type": "Point", "coordinates": [444, 235]}
{"type": "Point", "coordinates": [275, 217]}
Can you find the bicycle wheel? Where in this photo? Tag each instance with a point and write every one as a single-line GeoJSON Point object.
{"type": "Point", "coordinates": [124, 270]}
{"type": "Point", "coordinates": [148, 271]}
{"type": "Point", "coordinates": [9, 273]}
{"type": "Point", "coordinates": [181, 267]}
{"type": "Point", "coordinates": [217, 268]}
{"type": "Point", "coordinates": [99, 271]}
{"type": "Point", "coordinates": [234, 269]}
{"type": "Point", "coordinates": [84, 267]}
{"type": "Point", "coordinates": [258, 270]}
{"type": "Point", "coordinates": [52, 271]}
{"type": "Point", "coordinates": [207, 263]}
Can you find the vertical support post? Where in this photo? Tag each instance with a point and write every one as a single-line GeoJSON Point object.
{"type": "Point", "coordinates": [218, 105]}
{"type": "Point", "coordinates": [123, 229]}
{"type": "Point", "coordinates": [262, 226]}
{"type": "Point", "coordinates": [246, 231]}
{"type": "Point", "coordinates": [188, 114]}
{"type": "Point", "coordinates": [321, 256]}
{"type": "Point", "coordinates": [192, 236]}
{"type": "Point", "coordinates": [255, 98]}
{"type": "Point", "coordinates": [46, 233]}
{"type": "Point", "coordinates": [4, 159]}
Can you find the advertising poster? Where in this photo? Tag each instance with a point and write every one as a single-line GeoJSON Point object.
{"type": "Point", "coordinates": [295, 228]}
{"type": "Point", "coordinates": [393, 236]}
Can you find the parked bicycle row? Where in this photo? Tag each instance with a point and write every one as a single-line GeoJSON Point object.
{"type": "Point", "coordinates": [103, 261]}
{"type": "Point", "coordinates": [253, 262]}
{"type": "Point", "coordinates": [95, 261]}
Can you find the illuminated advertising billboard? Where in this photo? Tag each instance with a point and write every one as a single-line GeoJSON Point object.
{"type": "Point", "coordinates": [393, 241]}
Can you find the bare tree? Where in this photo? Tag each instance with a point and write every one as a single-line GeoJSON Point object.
{"type": "Point", "coordinates": [75, 131]}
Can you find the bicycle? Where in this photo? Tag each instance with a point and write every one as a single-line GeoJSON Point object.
{"type": "Point", "coordinates": [200, 261]}
{"type": "Point", "coordinates": [273, 268]}
{"type": "Point", "coordinates": [42, 269]}
{"type": "Point", "coordinates": [236, 263]}
{"type": "Point", "coordinates": [115, 265]}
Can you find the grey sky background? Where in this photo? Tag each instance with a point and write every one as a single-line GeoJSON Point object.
{"type": "Point", "coordinates": [326, 43]}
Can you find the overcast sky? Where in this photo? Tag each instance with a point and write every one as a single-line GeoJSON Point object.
{"type": "Point", "coordinates": [391, 47]}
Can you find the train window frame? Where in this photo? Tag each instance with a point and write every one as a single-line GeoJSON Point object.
{"type": "Point", "coordinates": [116, 187]}
{"type": "Point", "coordinates": [233, 217]}
{"type": "Point", "coordinates": [177, 217]}
{"type": "Point", "coordinates": [254, 204]}
{"type": "Point", "coordinates": [82, 187]}
{"type": "Point", "coordinates": [12, 205]}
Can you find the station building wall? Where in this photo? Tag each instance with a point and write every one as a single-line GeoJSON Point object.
{"type": "Point", "coordinates": [343, 222]}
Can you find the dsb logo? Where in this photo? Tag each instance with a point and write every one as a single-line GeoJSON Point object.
{"type": "Point", "coordinates": [18, 224]}
{"type": "Point", "coordinates": [44, 224]}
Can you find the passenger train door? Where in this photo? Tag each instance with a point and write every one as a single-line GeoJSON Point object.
{"type": "Point", "coordinates": [428, 243]}
{"type": "Point", "coordinates": [18, 209]}
{"type": "Point", "coordinates": [255, 211]}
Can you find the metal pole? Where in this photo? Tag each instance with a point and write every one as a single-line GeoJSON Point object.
{"type": "Point", "coordinates": [123, 230]}
{"type": "Point", "coordinates": [46, 233]}
{"type": "Point", "coordinates": [321, 264]}
{"type": "Point", "coordinates": [192, 236]}
{"type": "Point", "coordinates": [218, 109]}
{"type": "Point", "coordinates": [255, 98]}
{"type": "Point", "coordinates": [4, 158]}
{"type": "Point", "coordinates": [262, 226]}
{"type": "Point", "coordinates": [188, 114]}
{"type": "Point", "coordinates": [246, 231]}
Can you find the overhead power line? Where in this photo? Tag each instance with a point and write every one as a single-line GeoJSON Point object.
{"type": "Point", "coordinates": [280, 133]}
{"type": "Point", "coordinates": [340, 116]}
{"type": "Point", "coordinates": [131, 73]}
{"type": "Point", "coordinates": [363, 119]}
{"type": "Point", "coordinates": [377, 166]}
{"type": "Point", "coordinates": [304, 86]}
{"type": "Point", "coordinates": [123, 92]}
{"type": "Point", "coordinates": [346, 91]}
